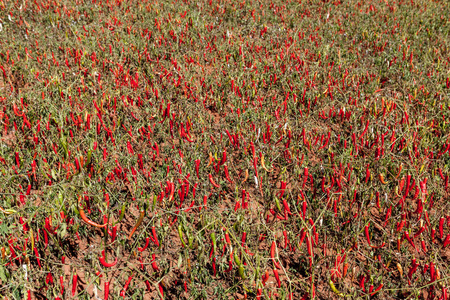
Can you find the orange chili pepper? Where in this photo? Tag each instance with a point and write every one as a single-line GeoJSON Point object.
{"type": "Point", "coordinates": [382, 179]}
{"type": "Point", "coordinates": [172, 190]}
{"type": "Point", "coordinates": [138, 223]}
{"type": "Point", "coordinates": [345, 269]}
{"type": "Point", "coordinates": [264, 165]}
{"type": "Point", "coordinates": [212, 181]}
{"type": "Point", "coordinates": [246, 176]}
{"type": "Point", "coordinates": [85, 219]}
{"type": "Point", "coordinates": [210, 159]}
{"type": "Point", "coordinates": [399, 170]}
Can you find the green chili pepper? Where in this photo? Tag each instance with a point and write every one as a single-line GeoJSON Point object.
{"type": "Point", "coordinates": [88, 160]}
{"type": "Point", "coordinates": [180, 233]}
{"type": "Point", "coordinates": [277, 202]}
{"type": "Point", "coordinates": [241, 271]}
{"type": "Point", "coordinates": [154, 202]}
{"type": "Point", "coordinates": [122, 212]}
{"type": "Point", "coordinates": [213, 238]}
{"type": "Point", "coordinates": [236, 259]}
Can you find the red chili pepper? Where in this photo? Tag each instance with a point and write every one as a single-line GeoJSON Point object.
{"type": "Point", "coordinates": [286, 241]}
{"type": "Point", "coordinates": [408, 238]}
{"type": "Point", "coordinates": [252, 147]}
{"type": "Point", "coordinates": [432, 272]}
{"type": "Point", "coordinates": [214, 266]}
{"type": "Point", "coordinates": [147, 283]}
{"type": "Point", "coordinates": [413, 268]}
{"type": "Point", "coordinates": [227, 238]}
{"type": "Point", "coordinates": [305, 177]}
{"type": "Point", "coordinates": [408, 184]}
{"type": "Point", "coordinates": [304, 206]}
{"type": "Point", "coordinates": [125, 287]}
{"type": "Point", "coordinates": [388, 214]}
{"type": "Point", "coordinates": [197, 166]}
{"type": "Point", "coordinates": [416, 194]}
{"type": "Point", "coordinates": [147, 240]}
{"type": "Point", "coordinates": [302, 237]}
{"type": "Point", "coordinates": [424, 246]}
{"type": "Point", "coordinates": [212, 181]}
{"type": "Point", "coordinates": [272, 255]}
{"type": "Point", "coordinates": [286, 207]}
{"type": "Point", "coordinates": [161, 290]}
{"type": "Point", "coordinates": [17, 112]}
{"type": "Point", "coordinates": [427, 219]}
{"type": "Point", "coordinates": [425, 269]}
{"type": "Point", "coordinates": [205, 199]}
{"type": "Point", "coordinates": [265, 277]}
{"type": "Point", "coordinates": [190, 206]}
{"type": "Point", "coordinates": [366, 231]}
{"type": "Point", "coordinates": [309, 245]}
{"type": "Point", "coordinates": [155, 236]}
{"type": "Point", "coordinates": [49, 279]}
{"type": "Point", "coordinates": [142, 264]}
{"type": "Point", "coordinates": [401, 184]}
{"type": "Point", "coordinates": [227, 174]}
{"type": "Point", "coordinates": [48, 226]}
{"type": "Point", "coordinates": [422, 229]}
{"type": "Point", "coordinates": [367, 174]}
{"type": "Point", "coordinates": [230, 267]}
{"type": "Point", "coordinates": [224, 158]}
{"type": "Point", "coordinates": [61, 282]}
{"type": "Point", "coordinates": [37, 257]}
{"type": "Point", "coordinates": [277, 277]}
{"type": "Point", "coordinates": [400, 225]}
{"type": "Point", "coordinates": [361, 283]}
{"type": "Point", "coordinates": [106, 290]}
{"type": "Point", "coordinates": [282, 188]}
{"type": "Point", "coordinates": [74, 284]}
{"type": "Point", "coordinates": [378, 199]}
{"type": "Point", "coordinates": [104, 263]}
{"type": "Point", "coordinates": [441, 227]}
{"type": "Point", "coordinates": [433, 233]}
{"type": "Point", "coordinates": [114, 234]}
{"type": "Point", "coordinates": [259, 294]}
{"type": "Point", "coordinates": [446, 241]}
{"type": "Point", "coordinates": [154, 265]}
{"type": "Point", "coordinates": [244, 236]}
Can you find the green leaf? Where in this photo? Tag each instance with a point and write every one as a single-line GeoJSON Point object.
{"type": "Point", "coordinates": [62, 231]}
{"type": "Point", "coordinates": [180, 261]}
{"type": "Point", "coordinates": [53, 174]}
{"type": "Point", "coordinates": [3, 228]}
{"type": "Point", "coordinates": [3, 274]}
{"type": "Point", "coordinates": [16, 294]}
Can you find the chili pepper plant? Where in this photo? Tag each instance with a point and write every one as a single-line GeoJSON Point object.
{"type": "Point", "coordinates": [224, 149]}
